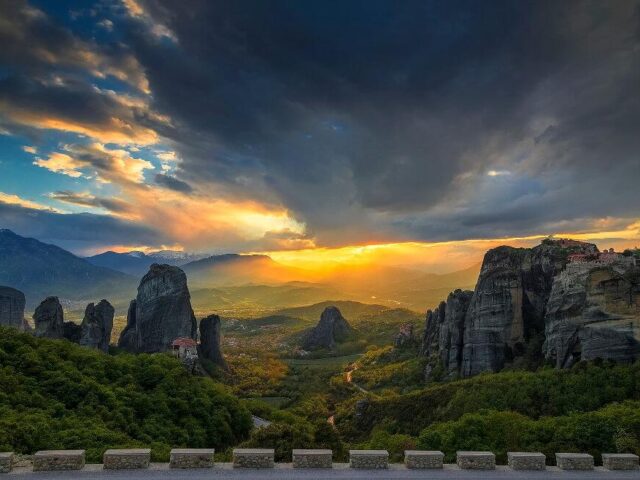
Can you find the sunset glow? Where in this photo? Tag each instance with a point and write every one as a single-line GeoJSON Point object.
{"type": "Point", "coordinates": [113, 139]}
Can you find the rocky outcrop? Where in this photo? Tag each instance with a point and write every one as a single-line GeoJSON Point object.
{"type": "Point", "coordinates": [593, 312]}
{"type": "Point", "coordinates": [490, 327]}
{"type": "Point", "coordinates": [162, 312]}
{"type": "Point", "coordinates": [209, 347]}
{"type": "Point", "coordinates": [444, 332]}
{"type": "Point", "coordinates": [49, 319]}
{"type": "Point", "coordinates": [332, 328]}
{"type": "Point", "coordinates": [405, 337]}
{"type": "Point", "coordinates": [97, 325]}
{"type": "Point", "coordinates": [129, 336]}
{"type": "Point", "coordinates": [12, 304]}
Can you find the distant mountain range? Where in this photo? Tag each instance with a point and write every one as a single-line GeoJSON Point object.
{"type": "Point", "coordinates": [40, 270]}
{"type": "Point", "coordinates": [137, 263]}
{"type": "Point", "coordinates": [247, 283]}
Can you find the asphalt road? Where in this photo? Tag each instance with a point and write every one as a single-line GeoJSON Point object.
{"type": "Point", "coordinates": [339, 472]}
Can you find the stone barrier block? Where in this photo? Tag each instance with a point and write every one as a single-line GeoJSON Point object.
{"type": "Point", "coordinates": [253, 457]}
{"type": "Point", "coordinates": [369, 459]}
{"type": "Point", "coordinates": [191, 458]}
{"type": "Point", "coordinates": [526, 460]}
{"type": "Point", "coordinates": [6, 462]}
{"type": "Point", "coordinates": [423, 459]}
{"type": "Point", "coordinates": [46, 460]}
{"type": "Point", "coordinates": [476, 460]}
{"type": "Point", "coordinates": [125, 459]}
{"type": "Point", "coordinates": [620, 461]}
{"type": "Point", "coordinates": [574, 461]}
{"type": "Point", "coordinates": [315, 458]}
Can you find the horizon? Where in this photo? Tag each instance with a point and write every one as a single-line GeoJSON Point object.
{"type": "Point", "coordinates": [316, 133]}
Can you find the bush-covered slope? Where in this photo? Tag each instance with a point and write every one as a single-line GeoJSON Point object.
{"type": "Point", "coordinates": [57, 395]}
{"type": "Point", "coordinates": [613, 428]}
{"type": "Point", "coordinates": [546, 392]}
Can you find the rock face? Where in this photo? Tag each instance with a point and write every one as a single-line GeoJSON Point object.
{"type": "Point", "coordinates": [49, 319]}
{"type": "Point", "coordinates": [161, 313]}
{"type": "Point", "coordinates": [128, 337]}
{"type": "Point", "coordinates": [97, 325]}
{"type": "Point", "coordinates": [405, 337]}
{"type": "Point", "coordinates": [444, 331]}
{"type": "Point", "coordinates": [209, 347]}
{"type": "Point", "coordinates": [12, 303]}
{"type": "Point", "coordinates": [593, 312]}
{"type": "Point", "coordinates": [485, 329]}
{"type": "Point", "coordinates": [331, 329]}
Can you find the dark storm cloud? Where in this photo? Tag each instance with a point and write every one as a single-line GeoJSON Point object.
{"type": "Point", "coordinates": [34, 43]}
{"type": "Point", "coordinates": [88, 200]}
{"type": "Point", "coordinates": [366, 114]}
{"type": "Point", "coordinates": [370, 120]}
{"type": "Point", "coordinates": [77, 231]}
{"type": "Point", "coordinates": [172, 183]}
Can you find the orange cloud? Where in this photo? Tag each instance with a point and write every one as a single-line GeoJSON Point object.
{"type": "Point", "coordinates": [109, 165]}
{"type": "Point", "coordinates": [11, 199]}
{"type": "Point", "coordinates": [61, 163]}
{"type": "Point", "coordinates": [440, 256]}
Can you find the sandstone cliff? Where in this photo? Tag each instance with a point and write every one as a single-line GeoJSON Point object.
{"type": "Point", "coordinates": [525, 294]}
{"type": "Point", "coordinates": [162, 312]}
{"type": "Point", "coordinates": [49, 319]}
{"type": "Point", "coordinates": [97, 325]}
{"type": "Point", "coordinates": [12, 304]}
{"type": "Point", "coordinates": [209, 347]}
{"type": "Point", "coordinates": [593, 312]}
{"type": "Point", "coordinates": [444, 331]}
{"type": "Point", "coordinates": [129, 336]}
{"type": "Point", "coordinates": [331, 329]}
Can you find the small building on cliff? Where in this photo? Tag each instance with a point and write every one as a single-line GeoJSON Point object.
{"type": "Point", "coordinates": [185, 348]}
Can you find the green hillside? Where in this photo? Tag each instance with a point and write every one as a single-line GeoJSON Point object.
{"type": "Point", "coordinates": [593, 407]}
{"type": "Point", "coordinates": [57, 395]}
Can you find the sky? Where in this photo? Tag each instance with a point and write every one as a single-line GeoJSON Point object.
{"type": "Point", "coordinates": [408, 132]}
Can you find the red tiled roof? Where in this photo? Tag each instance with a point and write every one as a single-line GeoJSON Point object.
{"type": "Point", "coordinates": [184, 342]}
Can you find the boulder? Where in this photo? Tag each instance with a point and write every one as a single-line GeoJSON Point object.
{"type": "Point", "coordinates": [49, 319]}
{"type": "Point", "coordinates": [12, 304]}
{"type": "Point", "coordinates": [162, 312]}
{"type": "Point", "coordinates": [331, 329]}
{"type": "Point", "coordinates": [97, 325]}
{"type": "Point", "coordinates": [209, 347]}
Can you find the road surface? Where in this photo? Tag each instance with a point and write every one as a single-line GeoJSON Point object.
{"type": "Point", "coordinates": [338, 472]}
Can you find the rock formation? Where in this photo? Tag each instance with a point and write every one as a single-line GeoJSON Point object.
{"type": "Point", "coordinates": [12, 303]}
{"type": "Point", "coordinates": [129, 336]}
{"type": "Point", "coordinates": [331, 329]}
{"type": "Point", "coordinates": [593, 312]}
{"type": "Point", "coordinates": [484, 330]}
{"type": "Point", "coordinates": [444, 331]}
{"type": "Point", "coordinates": [209, 347]}
{"type": "Point", "coordinates": [97, 325]}
{"type": "Point", "coordinates": [162, 312]}
{"type": "Point", "coordinates": [405, 337]}
{"type": "Point", "coordinates": [49, 319]}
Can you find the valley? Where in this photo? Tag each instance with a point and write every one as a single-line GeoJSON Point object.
{"type": "Point", "coordinates": [341, 373]}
